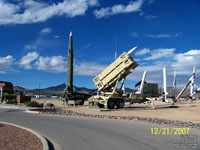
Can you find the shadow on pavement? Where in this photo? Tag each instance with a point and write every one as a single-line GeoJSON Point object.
{"type": "Point", "coordinates": [51, 147]}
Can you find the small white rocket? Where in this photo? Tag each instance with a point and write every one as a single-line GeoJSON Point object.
{"type": "Point", "coordinates": [186, 85]}
{"type": "Point", "coordinates": [192, 82]}
{"type": "Point", "coordinates": [165, 84]}
{"type": "Point", "coordinates": [142, 83]}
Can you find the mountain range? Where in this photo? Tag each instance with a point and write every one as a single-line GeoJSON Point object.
{"type": "Point", "coordinates": [58, 90]}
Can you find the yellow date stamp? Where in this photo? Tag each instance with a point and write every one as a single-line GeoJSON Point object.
{"type": "Point", "coordinates": [170, 131]}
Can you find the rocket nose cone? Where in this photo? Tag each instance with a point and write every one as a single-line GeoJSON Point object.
{"type": "Point", "coordinates": [131, 51]}
{"type": "Point", "coordinates": [70, 34]}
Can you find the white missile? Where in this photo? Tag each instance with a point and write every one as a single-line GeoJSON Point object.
{"type": "Point", "coordinates": [142, 82]}
{"type": "Point", "coordinates": [174, 83]}
{"type": "Point", "coordinates": [132, 50]}
{"type": "Point", "coordinates": [183, 89]}
{"type": "Point", "coordinates": [165, 84]}
{"type": "Point", "coordinates": [123, 86]}
{"type": "Point", "coordinates": [195, 92]}
{"type": "Point", "coordinates": [192, 82]}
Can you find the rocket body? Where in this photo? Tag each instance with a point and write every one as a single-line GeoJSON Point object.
{"type": "Point", "coordinates": [174, 84]}
{"type": "Point", "coordinates": [165, 84]}
{"type": "Point", "coordinates": [142, 83]}
{"type": "Point", "coordinates": [195, 92]}
{"type": "Point", "coordinates": [70, 58]}
{"type": "Point", "coordinates": [192, 82]}
{"type": "Point", "coordinates": [183, 89]}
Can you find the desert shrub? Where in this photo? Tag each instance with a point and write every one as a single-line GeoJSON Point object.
{"type": "Point", "coordinates": [8, 96]}
{"type": "Point", "coordinates": [50, 105]}
{"type": "Point", "coordinates": [18, 92]}
{"type": "Point", "coordinates": [33, 104]}
{"type": "Point", "coordinates": [11, 102]}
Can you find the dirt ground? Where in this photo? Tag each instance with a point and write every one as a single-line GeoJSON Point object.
{"type": "Point", "coordinates": [183, 111]}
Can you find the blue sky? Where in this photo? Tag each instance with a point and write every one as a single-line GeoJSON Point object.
{"type": "Point", "coordinates": [34, 39]}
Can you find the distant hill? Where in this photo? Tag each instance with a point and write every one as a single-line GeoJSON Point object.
{"type": "Point", "coordinates": [18, 88]}
{"type": "Point", "coordinates": [57, 90]}
{"type": "Point", "coordinates": [60, 87]}
{"type": "Point", "coordinates": [54, 90]}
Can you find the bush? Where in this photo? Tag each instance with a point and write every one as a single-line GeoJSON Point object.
{"type": "Point", "coordinates": [11, 102]}
{"type": "Point", "coordinates": [50, 105]}
{"type": "Point", "coordinates": [8, 96]}
{"type": "Point", "coordinates": [33, 104]}
{"type": "Point", "coordinates": [17, 92]}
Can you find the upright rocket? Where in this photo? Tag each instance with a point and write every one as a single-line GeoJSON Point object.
{"type": "Point", "coordinates": [70, 58]}
{"type": "Point", "coordinates": [69, 92]}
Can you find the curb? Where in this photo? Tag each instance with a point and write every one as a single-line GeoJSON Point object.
{"type": "Point", "coordinates": [12, 107]}
{"type": "Point", "coordinates": [32, 112]}
{"type": "Point", "coordinates": [44, 141]}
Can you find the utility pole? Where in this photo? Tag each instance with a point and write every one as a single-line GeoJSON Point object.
{"type": "Point", "coordinates": [39, 89]}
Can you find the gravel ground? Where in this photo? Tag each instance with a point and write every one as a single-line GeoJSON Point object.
{"type": "Point", "coordinates": [59, 111]}
{"type": "Point", "coordinates": [183, 111]}
{"type": "Point", "coordinates": [14, 138]}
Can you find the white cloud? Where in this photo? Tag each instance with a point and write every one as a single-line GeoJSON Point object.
{"type": "Point", "coordinates": [142, 52]}
{"type": "Point", "coordinates": [58, 64]}
{"type": "Point", "coordinates": [55, 64]}
{"type": "Point", "coordinates": [46, 30]}
{"type": "Point", "coordinates": [88, 68]}
{"type": "Point", "coordinates": [182, 62]}
{"type": "Point", "coordinates": [6, 64]}
{"type": "Point", "coordinates": [160, 53]}
{"type": "Point", "coordinates": [162, 35]}
{"type": "Point", "coordinates": [117, 9]}
{"type": "Point", "coordinates": [6, 61]}
{"type": "Point", "coordinates": [26, 61]}
{"type": "Point", "coordinates": [154, 72]}
{"type": "Point", "coordinates": [31, 11]}
{"type": "Point", "coordinates": [186, 61]}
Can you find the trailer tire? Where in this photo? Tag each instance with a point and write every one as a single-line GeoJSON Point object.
{"type": "Point", "coordinates": [79, 102]}
{"type": "Point", "coordinates": [120, 103]}
{"type": "Point", "coordinates": [110, 104]}
{"type": "Point", "coordinates": [82, 102]}
{"type": "Point", "coordinates": [100, 105]}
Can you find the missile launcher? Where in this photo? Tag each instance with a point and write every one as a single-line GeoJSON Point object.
{"type": "Point", "coordinates": [118, 70]}
{"type": "Point", "coordinates": [108, 80]}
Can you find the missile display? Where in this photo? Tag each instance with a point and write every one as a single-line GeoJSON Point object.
{"type": "Point", "coordinates": [142, 82]}
{"type": "Point", "coordinates": [174, 84]}
{"type": "Point", "coordinates": [192, 82]}
{"type": "Point", "coordinates": [69, 93]}
{"type": "Point", "coordinates": [120, 67]}
{"type": "Point", "coordinates": [132, 50]}
{"type": "Point", "coordinates": [70, 58]}
{"type": "Point", "coordinates": [184, 88]}
{"type": "Point", "coordinates": [123, 86]}
{"type": "Point", "coordinates": [194, 93]}
{"type": "Point", "coordinates": [165, 84]}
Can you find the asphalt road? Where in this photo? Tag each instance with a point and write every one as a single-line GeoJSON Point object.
{"type": "Point", "coordinates": [80, 133]}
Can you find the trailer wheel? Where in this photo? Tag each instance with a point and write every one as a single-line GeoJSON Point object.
{"type": "Point", "coordinates": [120, 103]}
{"type": "Point", "coordinates": [79, 102]}
{"type": "Point", "coordinates": [110, 104]}
{"type": "Point", "coordinates": [100, 105]}
{"type": "Point", "coordinates": [82, 102]}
